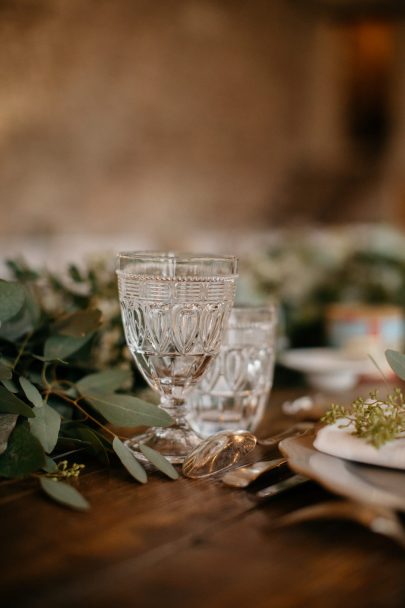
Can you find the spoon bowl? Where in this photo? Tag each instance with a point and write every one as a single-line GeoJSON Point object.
{"type": "Point", "coordinates": [218, 453]}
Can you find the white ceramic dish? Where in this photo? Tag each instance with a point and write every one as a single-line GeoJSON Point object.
{"type": "Point", "coordinates": [327, 369]}
{"type": "Point", "coordinates": [365, 483]}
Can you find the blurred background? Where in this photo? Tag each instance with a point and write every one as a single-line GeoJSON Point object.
{"type": "Point", "coordinates": [275, 130]}
{"type": "Point", "coordinates": [174, 118]}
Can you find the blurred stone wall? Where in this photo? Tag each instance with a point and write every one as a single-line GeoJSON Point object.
{"type": "Point", "coordinates": [165, 117]}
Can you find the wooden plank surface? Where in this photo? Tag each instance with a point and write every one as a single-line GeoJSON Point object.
{"type": "Point", "coordinates": [187, 543]}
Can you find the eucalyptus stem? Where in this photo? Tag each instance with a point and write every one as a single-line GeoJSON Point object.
{"type": "Point", "coordinates": [76, 404]}
{"type": "Point", "coordinates": [43, 376]}
{"type": "Point", "coordinates": [22, 349]}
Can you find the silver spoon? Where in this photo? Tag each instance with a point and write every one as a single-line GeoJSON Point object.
{"type": "Point", "coordinates": [224, 450]}
{"type": "Point", "coordinates": [300, 428]}
{"type": "Point", "coordinates": [218, 453]}
{"type": "Point", "coordinates": [244, 476]}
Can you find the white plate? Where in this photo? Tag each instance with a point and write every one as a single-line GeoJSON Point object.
{"type": "Point", "coordinates": [364, 483]}
{"type": "Point", "coordinates": [327, 368]}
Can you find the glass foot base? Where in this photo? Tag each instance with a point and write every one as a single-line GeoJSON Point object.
{"type": "Point", "coordinates": [173, 443]}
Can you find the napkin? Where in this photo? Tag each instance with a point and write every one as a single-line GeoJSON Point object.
{"type": "Point", "coordinates": [340, 442]}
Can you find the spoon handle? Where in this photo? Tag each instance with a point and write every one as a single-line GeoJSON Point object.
{"type": "Point", "coordinates": [282, 486]}
{"type": "Point", "coordinates": [301, 428]}
{"type": "Point", "coordinates": [246, 475]}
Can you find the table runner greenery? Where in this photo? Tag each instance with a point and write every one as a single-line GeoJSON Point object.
{"type": "Point", "coordinates": [67, 382]}
{"type": "Point", "coordinates": [66, 378]}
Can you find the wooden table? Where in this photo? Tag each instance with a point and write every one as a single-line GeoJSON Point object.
{"type": "Point", "coordinates": [190, 544]}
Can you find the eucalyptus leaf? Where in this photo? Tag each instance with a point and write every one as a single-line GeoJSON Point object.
{"type": "Point", "coordinates": [61, 347]}
{"type": "Point", "coordinates": [7, 424]}
{"type": "Point", "coordinates": [24, 454]}
{"type": "Point", "coordinates": [12, 298]}
{"type": "Point", "coordinates": [45, 360]}
{"type": "Point", "coordinates": [64, 493]}
{"type": "Point", "coordinates": [10, 386]}
{"type": "Point", "coordinates": [5, 372]}
{"type": "Point", "coordinates": [25, 320]}
{"type": "Point", "coordinates": [79, 324]}
{"type": "Point", "coordinates": [74, 273]}
{"type": "Point", "coordinates": [62, 407]}
{"type": "Point", "coordinates": [129, 461]}
{"type": "Point", "coordinates": [97, 444]}
{"type": "Point", "coordinates": [45, 426]}
{"type": "Point", "coordinates": [50, 465]}
{"type": "Point", "coordinates": [159, 461]}
{"type": "Point", "coordinates": [21, 270]}
{"type": "Point", "coordinates": [128, 411]}
{"type": "Point", "coordinates": [107, 381]}
{"type": "Point", "coordinates": [10, 404]}
{"type": "Point", "coordinates": [396, 361]}
{"type": "Point", "coordinates": [31, 392]}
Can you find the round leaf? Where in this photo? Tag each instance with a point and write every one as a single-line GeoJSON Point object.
{"type": "Point", "coordinates": [12, 297]}
{"type": "Point", "coordinates": [25, 321]}
{"type": "Point", "coordinates": [10, 404]}
{"type": "Point", "coordinates": [45, 426]}
{"type": "Point", "coordinates": [24, 454]}
{"type": "Point", "coordinates": [107, 381]}
{"type": "Point", "coordinates": [61, 347]}
{"type": "Point", "coordinates": [31, 392]}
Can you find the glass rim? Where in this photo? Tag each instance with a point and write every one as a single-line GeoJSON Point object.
{"type": "Point", "coordinates": [261, 316]}
{"type": "Point", "coordinates": [138, 263]}
{"type": "Point", "coordinates": [259, 308]}
{"type": "Point", "coordinates": [174, 255]}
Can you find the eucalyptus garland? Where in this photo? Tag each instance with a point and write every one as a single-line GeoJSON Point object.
{"type": "Point", "coordinates": [66, 380]}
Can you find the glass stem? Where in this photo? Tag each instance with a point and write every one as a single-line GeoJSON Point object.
{"type": "Point", "coordinates": [176, 408]}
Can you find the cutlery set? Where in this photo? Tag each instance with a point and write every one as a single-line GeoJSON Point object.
{"type": "Point", "coordinates": [275, 477]}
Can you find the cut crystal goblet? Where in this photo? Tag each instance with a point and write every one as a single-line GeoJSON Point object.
{"type": "Point", "coordinates": [174, 309]}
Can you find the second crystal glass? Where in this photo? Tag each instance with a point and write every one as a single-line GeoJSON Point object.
{"type": "Point", "coordinates": [174, 309]}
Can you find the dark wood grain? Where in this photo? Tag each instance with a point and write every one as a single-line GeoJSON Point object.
{"type": "Point", "coordinates": [187, 543]}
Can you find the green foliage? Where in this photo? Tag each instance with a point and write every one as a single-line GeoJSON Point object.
{"type": "Point", "coordinates": [59, 347]}
{"type": "Point", "coordinates": [129, 461]}
{"type": "Point", "coordinates": [10, 404]}
{"type": "Point", "coordinates": [128, 411]}
{"type": "Point", "coordinates": [62, 362]}
{"type": "Point", "coordinates": [5, 372]}
{"type": "Point", "coordinates": [12, 297]}
{"type": "Point", "coordinates": [31, 392]}
{"type": "Point", "coordinates": [159, 461]}
{"type": "Point", "coordinates": [374, 419]}
{"type": "Point", "coordinates": [45, 426]}
{"type": "Point", "coordinates": [25, 319]}
{"type": "Point", "coordinates": [7, 424]}
{"type": "Point", "coordinates": [64, 493]}
{"type": "Point", "coordinates": [397, 362]}
{"type": "Point", "coordinates": [107, 381]}
{"type": "Point", "coordinates": [24, 454]}
{"type": "Point", "coordinates": [50, 465]}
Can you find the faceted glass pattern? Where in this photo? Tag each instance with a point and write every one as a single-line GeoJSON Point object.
{"type": "Point", "coordinates": [234, 392]}
{"type": "Point", "coordinates": [174, 311]}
